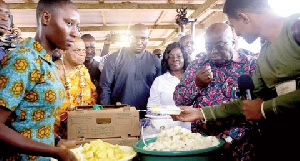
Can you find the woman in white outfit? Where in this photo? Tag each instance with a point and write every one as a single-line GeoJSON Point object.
{"type": "Point", "coordinates": [174, 63]}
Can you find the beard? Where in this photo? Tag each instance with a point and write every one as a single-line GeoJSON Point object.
{"type": "Point", "coordinates": [90, 56]}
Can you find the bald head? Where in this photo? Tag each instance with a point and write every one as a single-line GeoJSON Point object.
{"type": "Point", "coordinates": [220, 30]}
{"type": "Point", "coordinates": [219, 43]}
{"type": "Point", "coordinates": [184, 38]}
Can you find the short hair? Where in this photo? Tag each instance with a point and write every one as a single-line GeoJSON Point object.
{"type": "Point", "coordinates": [156, 51]}
{"type": "Point", "coordinates": [138, 26]}
{"type": "Point", "coordinates": [164, 62]}
{"type": "Point", "coordinates": [232, 7]}
{"type": "Point", "coordinates": [88, 36]}
{"type": "Point", "coordinates": [50, 5]}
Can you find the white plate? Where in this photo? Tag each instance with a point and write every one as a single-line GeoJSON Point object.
{"type": "Point", "coordinates": [158, 117]}
{"type": "Point", "coordinates": [169, 110]}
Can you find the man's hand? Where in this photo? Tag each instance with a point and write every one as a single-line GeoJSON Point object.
{"type": "Point", "coordinates": [188, 114]}
{"type": "Point", "coordinates": [203, 77]}
{"type": "Point", "coordinates": [251, 109]}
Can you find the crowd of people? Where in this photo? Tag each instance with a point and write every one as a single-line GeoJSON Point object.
{"type": "Point", "coordinates": [45, 77]}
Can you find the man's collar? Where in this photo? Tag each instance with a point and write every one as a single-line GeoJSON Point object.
{"type": "Point", "coordinates": [35, 45]}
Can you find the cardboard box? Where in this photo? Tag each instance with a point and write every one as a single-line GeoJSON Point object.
{"type": "Point", "coordinates": [112, 123]}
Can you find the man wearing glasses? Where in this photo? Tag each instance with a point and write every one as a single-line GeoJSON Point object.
{"type": "Point", "coordinates": [213, 79]}
{"type": "Point", "coordinates": [128, 74]}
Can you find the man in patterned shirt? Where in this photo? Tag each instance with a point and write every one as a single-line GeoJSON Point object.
{"type": "Point", "coordinates": [276, 79]}
{"type": "Point", "coordinates": [31, 92]}
{"type": "Point", "coordinates": [213, 79]}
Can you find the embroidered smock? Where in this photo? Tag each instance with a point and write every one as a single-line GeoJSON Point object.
{"type": "Point", "coordinates": [222, 89]}
{"type": "Point", "coordinates": [30, 87]}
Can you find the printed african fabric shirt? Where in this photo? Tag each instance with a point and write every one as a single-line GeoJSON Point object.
{"type": "Point", "coordinates": [30, 87]}
{"type": "Point", "coordinates": [222, 89]}
{"type": "Point", "coordinates": [88, 97]}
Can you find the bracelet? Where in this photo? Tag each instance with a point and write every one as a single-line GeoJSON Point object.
{"type": "Point", "coordinates": [57, 139]}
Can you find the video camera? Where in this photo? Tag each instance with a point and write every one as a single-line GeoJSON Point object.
{"type": "Point", "coordinates": [9, 40]}
{"type": "Point", "coordinates": [181, 16]}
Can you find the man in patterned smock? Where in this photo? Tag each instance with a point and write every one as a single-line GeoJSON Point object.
{"type": "Point", "coordinates": [276, 80]}
{"type": "Point", "coordinates": [30, 89]}
{"type": "Point", "coordinates": [213, 79]}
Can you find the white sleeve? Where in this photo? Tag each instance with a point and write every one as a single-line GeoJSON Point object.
{"type": "Point", "coordinates": [101, 64]}
{"type": "Point", "coordinates": [154, 98]}
{"type": "Point", "coordinates": [262, 110]}
{"type": "Point", "coordinates": [102, 61]}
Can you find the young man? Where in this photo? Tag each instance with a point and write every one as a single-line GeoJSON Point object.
{"type": "Point", "coordinates": [32, 93]}
{"type": "Point", "coordinates": [276, 79]}
{"type": "Point", "coordinates": [129, 73]}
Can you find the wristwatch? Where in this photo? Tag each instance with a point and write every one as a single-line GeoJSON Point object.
{"type": "Point", "coordinates": [57, 139]}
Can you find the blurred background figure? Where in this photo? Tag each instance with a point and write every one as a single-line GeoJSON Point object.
{"type": "Point", "coordinates": [56, 54]}
{"type": "Point", "coordinates": [90, 62]}
{"type": "Point", "coordinates": [80, 90]}
{"type": "Point", "coordinates": [5, 22]}
{"type": "Point", "coordinates": [158, 53]}
{"type": "Point", "coordinates": [188, 43]}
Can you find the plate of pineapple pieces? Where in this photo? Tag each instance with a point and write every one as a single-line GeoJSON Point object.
{"type": "Point", "coordinates": [167, 110]}
{"type": "Point", "coordinates": [100, 150]}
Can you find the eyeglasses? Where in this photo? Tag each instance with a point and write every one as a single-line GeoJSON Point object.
{"type": "Point", "coordinates": [79, 50]}
{"type": "Point", "coordinates": [219, 46]}
{"type": "Point", "coordinates": [177, 57]}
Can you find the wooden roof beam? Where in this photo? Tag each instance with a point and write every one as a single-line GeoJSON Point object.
{"type": "Point", "coordinates": [105, 28]}
{"type": "Point", "coordinates": [151, 39]}
{"type": "Point", "coordinates": [158, 20]}
{"type": "Point", "coordinates": [28, 1]}
{"type": "Point", "coordinates": [156, 6]}
{"type": "Point", "coordinates": [200, 10]}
